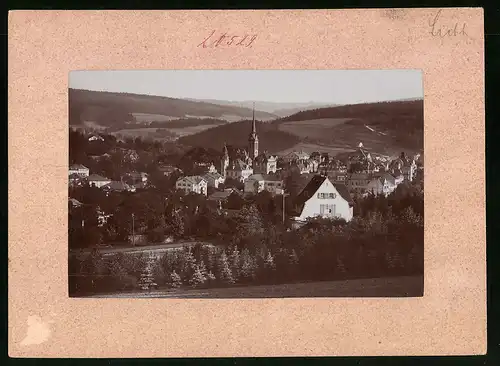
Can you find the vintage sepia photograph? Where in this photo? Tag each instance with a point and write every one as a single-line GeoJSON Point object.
{"type": "Point", "coordinates": [246, 183]}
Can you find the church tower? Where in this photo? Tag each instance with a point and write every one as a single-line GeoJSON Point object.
{"type": "Point", "coordinates": [253, 139]}
{"type": "Point", "coordinates": [224, 161]}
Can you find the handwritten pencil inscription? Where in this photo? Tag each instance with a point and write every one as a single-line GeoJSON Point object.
{"type": "Point", "coordinates": [442, 29]}
{"type": "Point", "coordinates": [227, 40]}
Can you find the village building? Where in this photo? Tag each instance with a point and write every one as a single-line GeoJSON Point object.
{"type": "Point", "coordinates": [79, 169]}
{"type": "Point", "coordinates": [296, 156]}
{"type": "Point", "coordinates": [213, 179]}
{"type": "Point", "coordinates": [241, 167]}
{"type": "Point", "coordinates": [239, 170]}
{"type": "Point", "coordinates": [322, 198]}
{"type": "Point", "coordinates": [316, 155]}
{"type": "Point", "coordinates": [305, 166]}
{"type": "Point", "coordinates": [376, 183]}
{"type": "Point", "coordinates": [406, 165]}
{"type": "Point", "coordinates": [76, 180]}
{"type": "Point", "coordinates": [136, 177]}
{"type": "Point", "coordinates": [333, 168]}
{"type": "Point", "coordinates": [220, 198]}
{"type": "Point", "coordinates": [336, 176]}
{"type": "Point", "coordinates": [195, 184]}
{"type": "Point", "coordinates": [95, 138]}
{"type": "Point", "coordinates": [257, 183]}
{"type": "Point", "coordinates": [265, 163]}
{"type": "Point", "coordinates": [358, 182]}
{"type": "Point", "coordinates": [211, 168]}
{"type": "Point", "coordinates": [118, 186]}
{"type": "Point", "coordinates": [96, 180]}
{"type": "Point", "coordinates": [380, 186]}
{"type": "Point", "coordinates": [74, 203]}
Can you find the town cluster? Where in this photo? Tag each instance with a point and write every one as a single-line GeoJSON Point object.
{"type": "Point", "coordinates": [332, 181]}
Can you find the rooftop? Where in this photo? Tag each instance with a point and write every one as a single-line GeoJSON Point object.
{"type": "Point", "coordinates": [97, 178]}
{"type": "Point", "coordinates": [312, 187]}
{"type": "Point", "coordinates": [193, 179]}
{"type": "Point", "coordinates": [77, 167]}
{"type": "Point", "coordinates": [117, 186]}
{"type": "Point", "coordinates": [264, 177]}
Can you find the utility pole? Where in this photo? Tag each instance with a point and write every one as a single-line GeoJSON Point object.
{"type": "Point", "coordinates": [133, 231]}
{"type": "Point", "coordinates": [284, 195]}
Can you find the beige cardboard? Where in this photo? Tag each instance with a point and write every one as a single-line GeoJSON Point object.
{"type": "Point", "coordinates": [44, 46]}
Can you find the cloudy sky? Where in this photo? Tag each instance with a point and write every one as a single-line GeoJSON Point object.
{"type": "Point", "coordinates": [285, 86]}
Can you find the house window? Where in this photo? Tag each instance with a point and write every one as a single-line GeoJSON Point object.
{"type": "Point", "coordinates": [328, 210]}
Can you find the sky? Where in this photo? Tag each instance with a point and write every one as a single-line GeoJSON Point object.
{"type": "Point", "coordinates": [281, 86]}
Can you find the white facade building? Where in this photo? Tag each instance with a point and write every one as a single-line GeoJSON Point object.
{"type": "Point", "coordinates": [322, 198]}
{"type": "Point", "coordinates": [213, 179]}
{"type": "Point", "coordinates": [98, 180]}
{"type": "Point", "coordinates": [194, 184]}
{"type": "Point", "coordinates": [239, 170]}
{"type": "Point", "coordinates": [257, 183]}
{"type": "Point", "coordinates": [79, 169]}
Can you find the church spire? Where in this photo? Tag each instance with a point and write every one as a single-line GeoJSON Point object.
{"type": "Point", "coordinates": [254, 130]}
{"type": "Point", "coordinates": [253, 139]}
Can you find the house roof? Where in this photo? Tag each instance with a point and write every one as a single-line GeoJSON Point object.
{"type": "Point", "coordinates": [238, 165]}
{"type": "Point", "coordinates": [298, 154]}
{"type": "Point", "coordinates": [265, 157]}
{"type": "Point", "coordinates": [75, 176]}
{"type": "Point", "coordinates": [220, 196]}
{"type": "Point", "coordinates": [75, 202]}
{"type": "Point", "coordinates": [344, 192]}
{"type": "Point", "coordinates": [265, 177]}
{"type": "Point", "coordinates": [97, 178]}
{"type": "Point", "coordinates": [193, 179]}
{"type": "Point", "coordinates": [389, 177]}
{"type": "Point", "coordinates": [117, 186]}
{"type": "Point", "coordinates": [77, 167]}
{"type": "Point", "coordinates": [212, 176]}
{"type": "Point", "coordinates": [93, 137]}
{"type": "Point", "coordinates": [312, 187]}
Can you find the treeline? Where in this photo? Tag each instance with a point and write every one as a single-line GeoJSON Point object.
{"type": "Point", "coordinates": [369, 112]}
{"type": "Point", "coordinates": [177, 123]}
{"type": "Point", "coordinates": [111, 108]}
{"type": "Point", "coordinates": [386, 239]}
{"type": "Point", "coordinates": [321, 250]}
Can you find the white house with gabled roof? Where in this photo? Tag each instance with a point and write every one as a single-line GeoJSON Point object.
{"type": "Point", "coordinates": [322, 198]}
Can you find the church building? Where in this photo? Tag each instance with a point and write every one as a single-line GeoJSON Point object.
{"type": "Point", "coordinates": [240, 168]}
